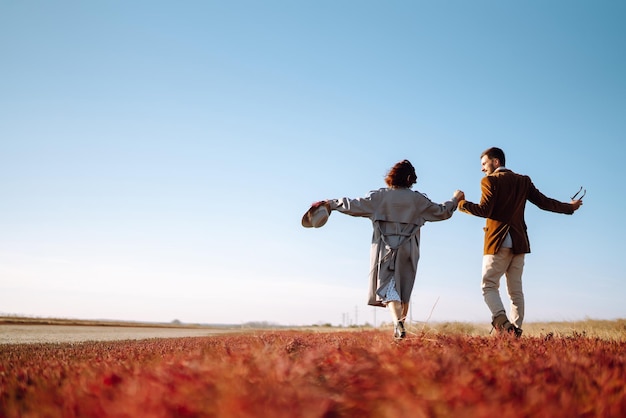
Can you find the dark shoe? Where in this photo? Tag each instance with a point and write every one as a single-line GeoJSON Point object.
{"type": "Point", "coordinates": [399, 332]}
{"type": "Point", "coordinates": [501, 323]}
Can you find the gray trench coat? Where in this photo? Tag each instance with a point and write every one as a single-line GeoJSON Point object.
{"type": "Point", "coordinates": [397, 216]}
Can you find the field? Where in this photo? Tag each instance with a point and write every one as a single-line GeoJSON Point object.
{"type": "Point", "coordinates": [447, 371]}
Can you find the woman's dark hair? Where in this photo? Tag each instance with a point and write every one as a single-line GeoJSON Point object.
{"type": "Point", "coordinates": [401, 175]}
{"type": "Point", "coordinates": [494, 152]}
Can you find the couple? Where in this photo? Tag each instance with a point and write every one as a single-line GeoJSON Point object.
{"type": "Point", "coordinates": [397, 214]}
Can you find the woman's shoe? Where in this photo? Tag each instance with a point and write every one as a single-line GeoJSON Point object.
{"type": "Point", "coordinates": [399, 332]}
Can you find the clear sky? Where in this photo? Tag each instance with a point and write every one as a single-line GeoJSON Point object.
{"type": "Point", "coordinates": [156, 157]}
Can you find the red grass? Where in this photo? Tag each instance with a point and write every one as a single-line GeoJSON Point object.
{"type": "Point", "coordinates": [301, 374]}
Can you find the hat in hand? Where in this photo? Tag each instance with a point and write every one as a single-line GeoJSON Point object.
{"type": "Point", "coordinates": [316, 216]}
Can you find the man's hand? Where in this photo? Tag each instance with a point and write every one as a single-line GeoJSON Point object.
{"type": "Point", "coordinates": [576, 204]}
{"type": "Point", "coordinates": [459, 195]}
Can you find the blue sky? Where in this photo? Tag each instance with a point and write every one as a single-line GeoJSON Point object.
{"type": "Point", "coordinates": [156, 157]}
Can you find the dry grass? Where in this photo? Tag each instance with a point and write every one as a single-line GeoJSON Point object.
{"type": "Point", "coordinates": [614, 330]}
{"type": "Point", "coordinates": [25, 320]}
{"type": "Point", "coordinates": [594, 328]}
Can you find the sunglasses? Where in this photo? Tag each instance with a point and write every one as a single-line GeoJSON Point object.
{"type": "Point", "coordinates": [576, 197]}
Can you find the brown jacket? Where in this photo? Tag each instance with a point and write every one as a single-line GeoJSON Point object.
{"type": "Point", "coordinates": [503, 200]}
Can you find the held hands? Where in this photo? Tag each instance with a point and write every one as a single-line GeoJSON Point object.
{"type": "Point", "coordinates": [459, 195]}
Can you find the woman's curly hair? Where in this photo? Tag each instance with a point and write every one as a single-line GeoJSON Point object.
{"type": "Point", "coordinates": [401, 175]}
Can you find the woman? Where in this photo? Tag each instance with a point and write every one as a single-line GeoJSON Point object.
{"type": "Point", "coordinates": [397, 214]}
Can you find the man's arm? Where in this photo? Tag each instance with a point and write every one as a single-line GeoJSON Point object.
{"type": "Point", "coordinates": [487, 201]}
{"type": "Point", "coordinates": [552, 205]}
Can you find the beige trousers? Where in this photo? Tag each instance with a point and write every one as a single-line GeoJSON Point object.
{"type": "Point", "coordinates": [504, 262]}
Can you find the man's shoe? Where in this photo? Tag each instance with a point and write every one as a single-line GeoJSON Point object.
{"type": "Point", "coordinates": [501, 323]}
{"type": "Point", "coordinates": [399, 332]}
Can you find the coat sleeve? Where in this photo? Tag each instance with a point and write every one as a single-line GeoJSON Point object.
{"type": "Point", "coordinates": [363, 207]}
{"type": "Point", "coordinates": [484, 209]}
{"type": "Point", "coordinates": [546, 203]}
{"type": "Point", "coordinates": [439, 212]}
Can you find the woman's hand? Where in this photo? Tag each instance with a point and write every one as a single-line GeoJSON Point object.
{"type": "Point", "coordinates": [322, 203]}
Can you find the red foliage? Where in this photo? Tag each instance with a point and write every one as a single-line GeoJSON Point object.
{"type": "Point", "coordinates": [300, 374]}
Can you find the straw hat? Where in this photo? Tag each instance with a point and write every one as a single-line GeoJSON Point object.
{"type": "Point", "coordinates": [315, 217]}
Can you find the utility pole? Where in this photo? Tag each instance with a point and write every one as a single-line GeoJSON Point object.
{"type": "Point", "coordinates": [356, 315]}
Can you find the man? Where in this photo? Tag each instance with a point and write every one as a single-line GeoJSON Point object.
{"type": "Point", "coordinates": [503, 200]}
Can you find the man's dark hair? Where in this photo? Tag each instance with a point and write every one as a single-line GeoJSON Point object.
{"type": "Point", "coordinates": [495, 152]}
